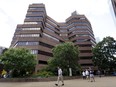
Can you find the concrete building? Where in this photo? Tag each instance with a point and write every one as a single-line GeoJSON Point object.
{"type": "Point", "coordinates": [40, 33]}
{"type": "Point", "coordinates": [112, 6]}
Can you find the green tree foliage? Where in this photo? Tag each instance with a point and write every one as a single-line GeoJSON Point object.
{"type": "Point", "coordinates": [65, 55]}
{"type": "Point", "coordinates": [105, 54]}
{"type": "Point", "coordinates": [18, 60]}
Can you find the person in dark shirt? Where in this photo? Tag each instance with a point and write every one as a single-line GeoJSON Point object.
{"type": "Point", "coordinates": [92, 79]}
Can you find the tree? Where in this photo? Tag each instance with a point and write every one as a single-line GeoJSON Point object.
{"type": "Point", "coordinates": [105, 54]}
{"type": "Point", "coordinates": [65, 55]}
{"type": "Point", "coordinates": [18, 60]}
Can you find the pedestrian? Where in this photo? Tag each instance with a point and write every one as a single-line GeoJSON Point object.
{"type": "Point", "coordinates": [4, 73]}
{"type": "Point", "coordinates": [60, 77]}
{"type": "Point", "coordinates": [92, 79]}
{"type": "Point", "coordinates": [83, 74]}
{"type": "Point", "coordinates": [87, 74]}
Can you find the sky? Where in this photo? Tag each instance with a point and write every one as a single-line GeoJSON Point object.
{"type": "Point", "coordinates": [13, 12]}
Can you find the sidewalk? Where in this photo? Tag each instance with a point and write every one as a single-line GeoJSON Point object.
{"type": "Point", "coordinates": [100, 82]}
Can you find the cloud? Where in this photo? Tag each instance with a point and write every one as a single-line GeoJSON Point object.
{"type": "Point", "coordinates": [7, 26]}
{"type": "Point", "coordinates": [97, 7]}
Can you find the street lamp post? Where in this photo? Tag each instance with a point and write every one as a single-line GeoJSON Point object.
{"type": "Point", "coordinates": [70, 70]}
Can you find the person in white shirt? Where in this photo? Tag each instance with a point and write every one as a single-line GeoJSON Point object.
{"type": "Point", "coordinates": [84, 75]}
{"type": "Point", "coordinates": [60, 77]}
{"type": "Point", "coordinates": [87, 74]}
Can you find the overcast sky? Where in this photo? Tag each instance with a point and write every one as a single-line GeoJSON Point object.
{"type": "Point", "coordinates": [12, 12]}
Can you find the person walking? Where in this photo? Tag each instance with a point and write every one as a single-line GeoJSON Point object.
{"type": "Point", "coordinates": [87, 74]}
{"type": "Point", "coordinates": [92, 79]}
{"type": "Point", "coordinates": [60, 77]}
{"type": "Point", "coordinates": [83, 74]}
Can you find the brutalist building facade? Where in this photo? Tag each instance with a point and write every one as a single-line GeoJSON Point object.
{"type": "Point", "coordinates": [114, 6]}
{"type": "Point", "coordinates": [40, 33]}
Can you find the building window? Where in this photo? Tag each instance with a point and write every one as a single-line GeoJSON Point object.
{"type": "Point", "coordinates": [45, 45]}
{"type": "Point", "coordinates": [28, 35]}
{"type": "Point", "coordinates": [79, 35]}
{"type": "Point", "coordinates": [18, 30]}
{"type": "Point", "coordinates": [49, 29]}
{"type": "Point", "coordinates": [27, 43]}
{"type": "Point", "coordinates": [49, 25]}
{"type": "Point", "coordinates": [73, 28]}
{"type": "Point", "coordinates": [78, 23]}
{"type": "Point", "coordinates": [35, 12]}
{"type": "Point", "coordinates": [30, 23]}
{"type": "Point", "coordinates": [37, 8]}
{"type": "Point", "coordinates": [34, 51]}
{"type": "Point", "coordinates": [63, 31]}
{"type": "Point", "coordinates": [63, 27]}
{"type": "Point", "coordinates": [45, 53]}
{"type": "Point", "coordinates": [31, 28]}
{"type": "Point", "coordinates": [63, 34]}
{"type": "Point", "coordinates": [50, 37]}
{"type": "Point", "coordinates": [82, 18]}
{"type": "Point", "coordinates": [83, 40]}
{"type": "Point", "coordinates": [80, 40]}
{"type": "Point", "coordinates": [34, 17]}
{"type": "Point", "coordinates": [82, 27]}
{"type": "Point", "coordinates": [80, 31]}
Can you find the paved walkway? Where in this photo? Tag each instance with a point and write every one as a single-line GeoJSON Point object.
{"type": "Point", "coordinates": [100, 82]}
